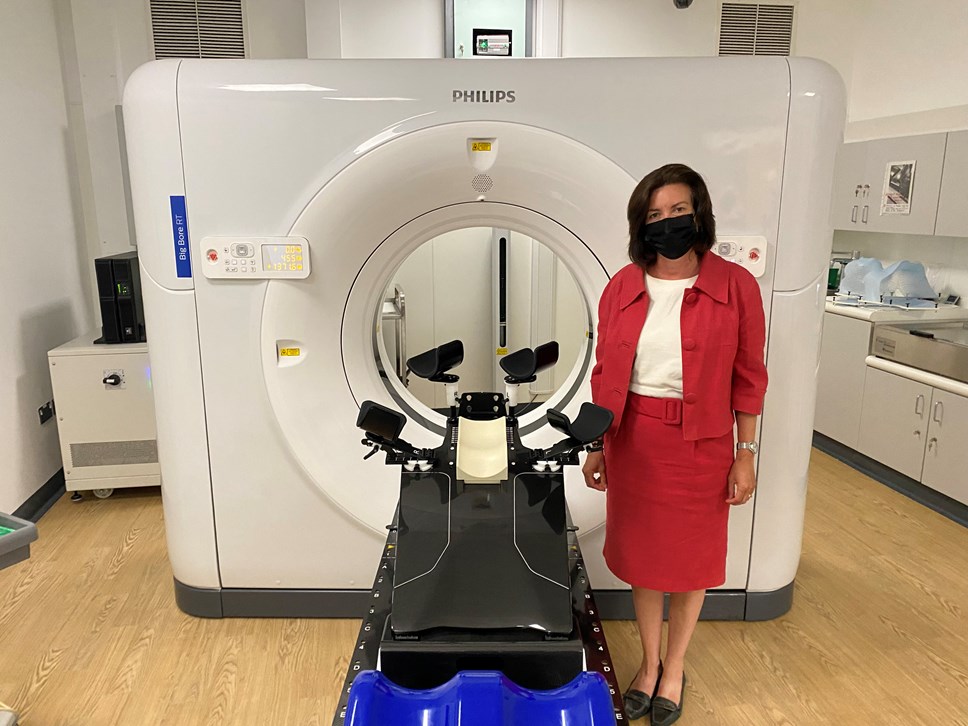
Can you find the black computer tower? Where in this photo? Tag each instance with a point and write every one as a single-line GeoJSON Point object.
{"type": "Point", "coordinates": [119, 294]}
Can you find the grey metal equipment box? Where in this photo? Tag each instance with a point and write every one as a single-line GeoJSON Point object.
{"type": "Point", "coordinates": [105, 415]}
{"type": "Point", "coordinates": [15, 538]}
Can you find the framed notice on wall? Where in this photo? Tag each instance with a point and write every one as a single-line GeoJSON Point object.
{"type": "Point", "coordinates": [488, 28]}
{"type": "Point", "coordinates": [898, 186]}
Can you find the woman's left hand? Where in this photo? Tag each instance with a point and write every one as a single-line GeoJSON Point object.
{"type": "Point", "coordinates": [741, 481]}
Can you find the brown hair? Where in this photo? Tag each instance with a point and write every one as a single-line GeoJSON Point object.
{"type": "Point", "coordinates": [638, 211]}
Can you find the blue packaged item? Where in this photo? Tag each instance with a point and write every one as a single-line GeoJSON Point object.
{"type": "Point", "coordinates": [479, 698]}
{"type": "Point", "coordinates": [902, 279]}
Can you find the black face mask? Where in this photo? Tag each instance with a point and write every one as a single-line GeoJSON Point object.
{"type": "Point", "coordinates": [671, 237]}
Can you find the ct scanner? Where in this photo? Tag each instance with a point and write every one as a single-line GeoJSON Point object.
{"type": "Point", "coordinates": [273, 202]}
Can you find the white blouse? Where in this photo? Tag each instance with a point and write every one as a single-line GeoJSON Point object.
{"type": "Point", "coordinates": [657, 370]}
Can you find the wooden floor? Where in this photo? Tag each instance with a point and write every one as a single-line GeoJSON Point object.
{"type": "Point", "coordinates": [878, 633]}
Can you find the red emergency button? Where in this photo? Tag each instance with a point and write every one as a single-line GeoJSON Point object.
{"type": "Point", "coordinates": [212, 256]}
{"type": "Point", "coordinates": [754, 255]}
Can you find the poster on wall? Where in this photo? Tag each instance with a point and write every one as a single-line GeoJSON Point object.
{"type": "Point", "coordinates": [898, 184]}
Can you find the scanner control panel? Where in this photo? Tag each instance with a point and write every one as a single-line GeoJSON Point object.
{"type": "Point", "coordinates": [749, 252]}
{"type": "Point", "coordinates": [255, 258]}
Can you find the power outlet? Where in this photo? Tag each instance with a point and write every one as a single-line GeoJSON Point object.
{"type": "Point", "coordinates": [46, 412]}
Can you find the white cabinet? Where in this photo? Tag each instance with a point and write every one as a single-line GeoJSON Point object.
{"type": "Point", "coordinates": [851, 187]}
{"type": "Point", "coordinates": [946, 454]}
{"type": "Point", "coordinates": [840, 378]}
{"type": "Point", "coordinates": [953, 204]}
{"type": "Point", "coordinates": [105, 415]}
{"type": "Point", "coordinates": [921, 189]}
{"type": "Point", "coordinates": [861, 180]}
{"type": "Point", "coordinates": [917, 429]}
{"type": "Point", "coordinates": [894, 421]}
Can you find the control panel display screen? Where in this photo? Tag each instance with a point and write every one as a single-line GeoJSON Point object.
{"type": "Point", "coordinates": [282, 258]}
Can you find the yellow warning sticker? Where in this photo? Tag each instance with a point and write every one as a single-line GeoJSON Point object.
{"type": "Point", "coordinates": [290, 352]}
{"type": "Point", "coordinates": [502, 351]}
{"type": "Point", "coordinates": [480, 146]}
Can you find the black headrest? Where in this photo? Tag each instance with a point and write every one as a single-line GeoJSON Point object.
{"type": "Point", "coordinates": [438, 360]}
{"type": "Point", "coordinates": [591, 423]}
{"type": "Point", "coordinates": [380, 420]}
{"type": "Point", "coordinates": [525, 363]}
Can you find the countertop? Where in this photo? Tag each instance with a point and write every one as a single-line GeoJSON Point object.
{"type": "Point", "coordinates": [916, 374]}
{"type": "Point", "coordinates": [897, 315]}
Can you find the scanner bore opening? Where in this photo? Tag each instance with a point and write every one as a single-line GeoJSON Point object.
{"type": "Point", "coordinates": [496, 289]}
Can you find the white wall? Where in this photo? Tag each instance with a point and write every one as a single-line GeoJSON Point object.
{"type": "Point", "coordinates": [375, 29]}
{"type": "Point", "coordinates": [276, 28]}
{"type": "Point", "coordinates": [617, 28]}
{"type": "Point", "coordinates": [110, 38]}
{"type": "Point", "coordinates": [41, 298]}
{"type": "Point", "coordinates": [598, 28]}
{"type": "Point", "coordinates": [909, 57]}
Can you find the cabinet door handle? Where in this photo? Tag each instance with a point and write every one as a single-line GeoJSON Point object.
{"type": "Point", "coordinates": [853, 214]}
{"type": "Point", "coordinates": [933, 445]}
{"type": "Point", "coordinates": [917, 432]}
{"type": "Point", "coordinates": [938, 412]}
{"type": "Point", "coordinates": [919, 405]}
{"type": "Point", "coordinates": [863, 217]}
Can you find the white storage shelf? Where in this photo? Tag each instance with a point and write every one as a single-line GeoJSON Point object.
{"type": "Point", "coordinates": [105, 415]}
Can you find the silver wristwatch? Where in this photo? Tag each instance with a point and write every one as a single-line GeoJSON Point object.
{"type": "Point", "coordinates": [751, 445]}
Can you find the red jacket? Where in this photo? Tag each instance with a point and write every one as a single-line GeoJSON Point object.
{"type": "Point", "coordinates": [723, 337]}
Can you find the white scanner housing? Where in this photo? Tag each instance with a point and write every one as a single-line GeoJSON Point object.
{"type": "Point", "coordinates": [351, 165]}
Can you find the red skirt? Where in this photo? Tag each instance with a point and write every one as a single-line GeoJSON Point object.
{"type": "Point", "coordinates": [667, 518]}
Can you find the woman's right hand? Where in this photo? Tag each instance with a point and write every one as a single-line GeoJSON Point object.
{"type": "Point", "coordinates": [594, 470]}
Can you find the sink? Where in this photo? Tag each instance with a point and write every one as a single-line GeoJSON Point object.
{"type": "Point", "coordinates": [935, 347]}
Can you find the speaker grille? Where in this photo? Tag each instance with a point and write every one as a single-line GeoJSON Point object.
{"type": "Point", "coordinates": [482, 183]}
{"type": "Point", "coordinates": [113, 453]}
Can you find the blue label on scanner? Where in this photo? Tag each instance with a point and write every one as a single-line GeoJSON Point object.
{"type": "Point", "coordinates": [179, 228]}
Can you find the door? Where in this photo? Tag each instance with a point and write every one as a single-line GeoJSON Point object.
{"type": "Point", "coordinates": [946, 457]}
{"type": "Point", "coordinates": [894, 421]}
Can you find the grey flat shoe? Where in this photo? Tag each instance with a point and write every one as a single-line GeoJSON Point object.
{"type": "Point", "coordinates": [664, 711]}
{"type": "Point", "coordinates": [637, 703]}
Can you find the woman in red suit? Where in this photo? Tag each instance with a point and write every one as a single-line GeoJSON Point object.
{"type": "Point", "coordinates": [681, 336]}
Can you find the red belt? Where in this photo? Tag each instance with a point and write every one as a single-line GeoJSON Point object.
{"type": "Point", "coordinates": [668, 410]}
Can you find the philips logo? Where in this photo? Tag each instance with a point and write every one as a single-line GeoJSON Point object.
{"type": "Point", "coordinates": [483, 96]}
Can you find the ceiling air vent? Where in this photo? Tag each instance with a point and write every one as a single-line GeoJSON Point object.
{"type": "Point", "coordinates": [197, 28]}
{"type": "Point", "coordinates": [753, 29]}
